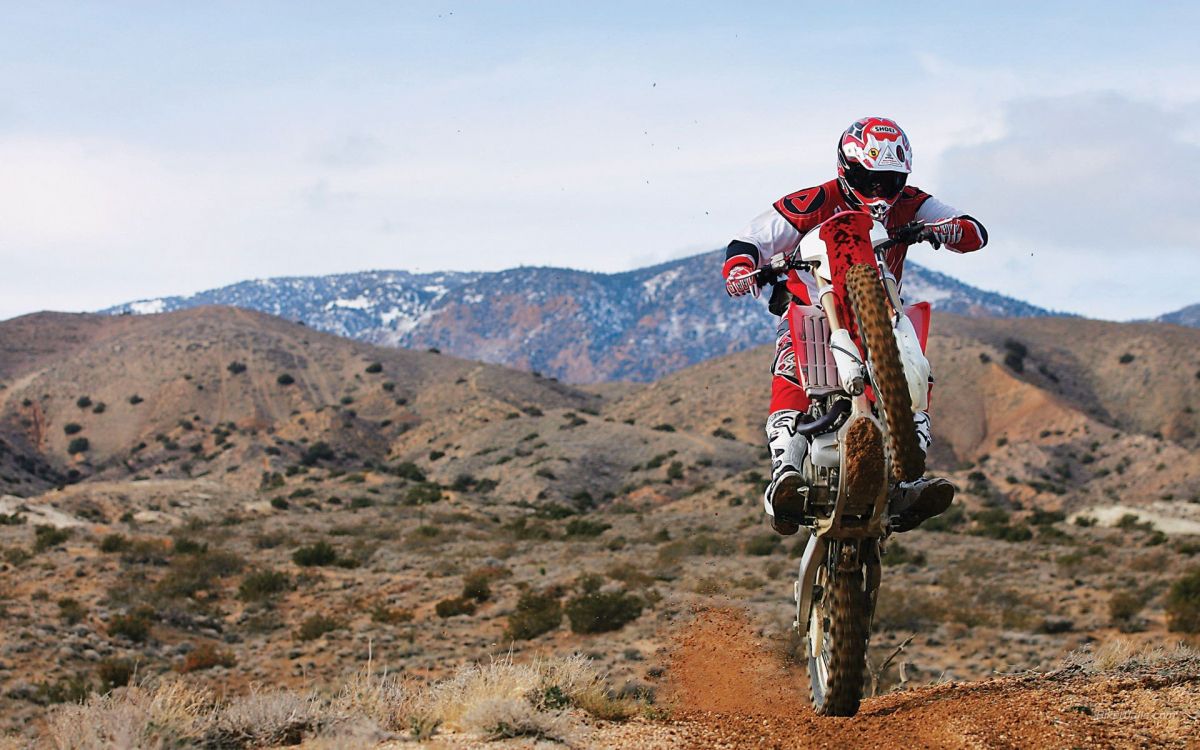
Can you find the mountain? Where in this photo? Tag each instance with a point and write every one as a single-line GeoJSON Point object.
{"type": "Point", "coordinates": [1187, 316]}
{"type": "Point", "coordinates": [579, 326]}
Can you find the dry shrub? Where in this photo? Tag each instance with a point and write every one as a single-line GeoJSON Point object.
{"type": "Point", "coordinates": [497, 700]}
{"type": "Point", "coordinates": [501, 718]}
{"type": "Point", "coordinates": [265, 719]}
{"type": "Point", "coordinates": [169, 714]}
{"type": "Point", "coordinates": [206, 656]}
{"type": "Point", "coordinates": [599, 703]}
{"type": "Point", "coordinates": [393, 702]}
{"type": "Point", "coordinates": [1121, 655]}
{"type": "Point", "coordinates": [360, 734]}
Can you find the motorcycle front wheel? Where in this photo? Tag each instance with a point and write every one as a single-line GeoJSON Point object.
{"type": "Point", "coordinates": [839, 619]}
{"type": "Point", "coordinates": [867, 297]}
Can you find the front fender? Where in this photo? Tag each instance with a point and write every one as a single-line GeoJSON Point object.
{"type": "Point", "coordinates": [814, 556]}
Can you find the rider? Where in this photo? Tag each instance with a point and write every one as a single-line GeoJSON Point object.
{"type": "Point", "coordinates": [874, 161]}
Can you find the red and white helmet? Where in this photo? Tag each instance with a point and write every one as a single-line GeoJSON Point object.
{"type": "Point", "coordinates": [874, 161]}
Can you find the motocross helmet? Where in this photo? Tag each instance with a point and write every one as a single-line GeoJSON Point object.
{"type": "Point", "coordinates": [874, 161]}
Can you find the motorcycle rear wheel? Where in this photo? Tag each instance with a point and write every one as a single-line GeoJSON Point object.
{"type": "Point", "coordinates": [867, 296]}
{"type": "Point", "coordinates": [837, 640]}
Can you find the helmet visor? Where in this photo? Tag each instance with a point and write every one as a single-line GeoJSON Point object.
{"type": "Point", "coordinates": [875, 184]}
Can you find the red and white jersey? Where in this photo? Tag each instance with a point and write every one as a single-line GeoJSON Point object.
{"type": "Point", "coordinates": [780, 228]}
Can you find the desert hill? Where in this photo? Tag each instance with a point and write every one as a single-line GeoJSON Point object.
{"type": "Point", "coordinates": [181, 388]}
{"type": "Point", "coordinates": [1059, 413]}
{"type": "Point", "coordinates": [202, 392]}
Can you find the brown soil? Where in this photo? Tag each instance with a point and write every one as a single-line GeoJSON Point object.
{"type": "Point", "coordinates": [730, 691]}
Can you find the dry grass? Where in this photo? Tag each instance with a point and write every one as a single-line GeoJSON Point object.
{"type": "Point", "coordinates": [169, 714]}
{"type": "Point", "coordinates": [1122, 656]}
{"type": "Point", "coordinates": [501, 699]}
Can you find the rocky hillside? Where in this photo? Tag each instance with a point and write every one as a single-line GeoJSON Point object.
{"type": "Point", "coordinates": [578, 326]}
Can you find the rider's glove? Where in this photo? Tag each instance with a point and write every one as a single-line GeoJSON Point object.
{"type": "Point", "coordinates": [908, 234]}
{"type": "Point", "coordinates": [945, 232]}
{"type": "Point", "coordinates": [739, 278]}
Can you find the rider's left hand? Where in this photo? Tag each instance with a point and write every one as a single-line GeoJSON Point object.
{"type": "Point", "coordinates": [946, 231]}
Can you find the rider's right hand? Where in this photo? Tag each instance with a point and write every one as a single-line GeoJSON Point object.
{"type": "Point", "coordinates": [739, 281]}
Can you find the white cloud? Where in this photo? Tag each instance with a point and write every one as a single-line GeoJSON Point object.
{"type": "Point", "coordinates": [1088, 199]}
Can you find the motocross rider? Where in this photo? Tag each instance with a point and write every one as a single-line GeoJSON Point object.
{"type": "Point", "coordinates": [874, 160]}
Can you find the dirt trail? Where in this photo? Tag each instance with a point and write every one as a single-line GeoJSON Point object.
{"type": "Point", "coordinates": [729, 691]}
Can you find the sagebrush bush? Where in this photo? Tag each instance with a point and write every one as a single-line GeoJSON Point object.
{"type": "Point", "coordinates": [601, 612]}
{"type": "Point", "coordinates": [190, 574]}
{"type": "Point", "coordinates": [696, 544]}
{"type": "Point", "coordinates": [135, 625]}
{"type": "Point", "coordinates": [762, 545]}
{"type": "Point", "coordinates": [536, 612]}
{"type": "Point", "coordinates": [409, 470]}
{"type": "Point", "coordinates": [385, 615]}
{"type": "Point", "coordinates": [262, 585]}
{"type": "Point", "coordinates": [320, 554]}
{"type": "Point", "coordinates": [477, 586]}
{"type": "Point", "coordinates": [206, 656]}
{"type": "Point", "coordinates": [898, 554]}
{"type": "Point", "coordinates": [114, 673]}
{"type": "Point", "coordinates": [318, 451]}
{"type": "Point", "coordinates": [46, 537]}
{"type": "Point", "coordinates": [71, 610]}
{"type": "Point", "coordinates": [1124, 608]}
{"type": "Point", "coordinates": [79, 445]}
{"type": "Point", "coordinates": [114, 543]}
{"type": "Point", "coordinates": [454, 606]}
{"type": "Point", "coordinates": [585, 528]}
{"type": "Point", "coordinates": [1183, 604]}
{"type": "Point", "coordinates": [423, 494]}
{"type": "Point", "coordinates": [316, 626]}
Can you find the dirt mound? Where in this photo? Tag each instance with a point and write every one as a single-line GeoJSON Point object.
{"type": "Point", "coordinates": [720, 666]}
{"type": "Point", "coordinates": [730, 691]}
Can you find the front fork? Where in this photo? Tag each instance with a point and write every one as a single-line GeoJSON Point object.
{"type": "Point", "coordinates": [837, 553]}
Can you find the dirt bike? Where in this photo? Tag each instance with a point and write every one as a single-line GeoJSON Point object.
{"type": "Point", "coordinates": [861, 433]}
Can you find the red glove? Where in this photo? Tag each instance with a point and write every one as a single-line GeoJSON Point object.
{"type": "Point", "coordinates": [739, 278]}
{"type": "Point", "coordinates": [961, 234]}
{"type": "Point", "coordinates": [946, 231]}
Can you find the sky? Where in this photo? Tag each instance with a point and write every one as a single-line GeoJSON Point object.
{"type": "Point", "coordinates": [150, 149]}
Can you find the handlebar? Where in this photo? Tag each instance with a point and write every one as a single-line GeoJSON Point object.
{"type": "Point", "coordinates": [909, 234]}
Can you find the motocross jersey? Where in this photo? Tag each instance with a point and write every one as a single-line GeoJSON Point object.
{"type": "Point", "coordinates": [780, 228]}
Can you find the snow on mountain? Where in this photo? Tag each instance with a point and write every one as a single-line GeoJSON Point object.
{"type": "Point", "coordinates": [574, 325]}
{"type": "Point", "coordinates": [1187, 316]}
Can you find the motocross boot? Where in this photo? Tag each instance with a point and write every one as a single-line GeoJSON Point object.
{"type": "Point", "coordinates": [787, 491]}
{"type": "Point", "coordinates": [913, 503]}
